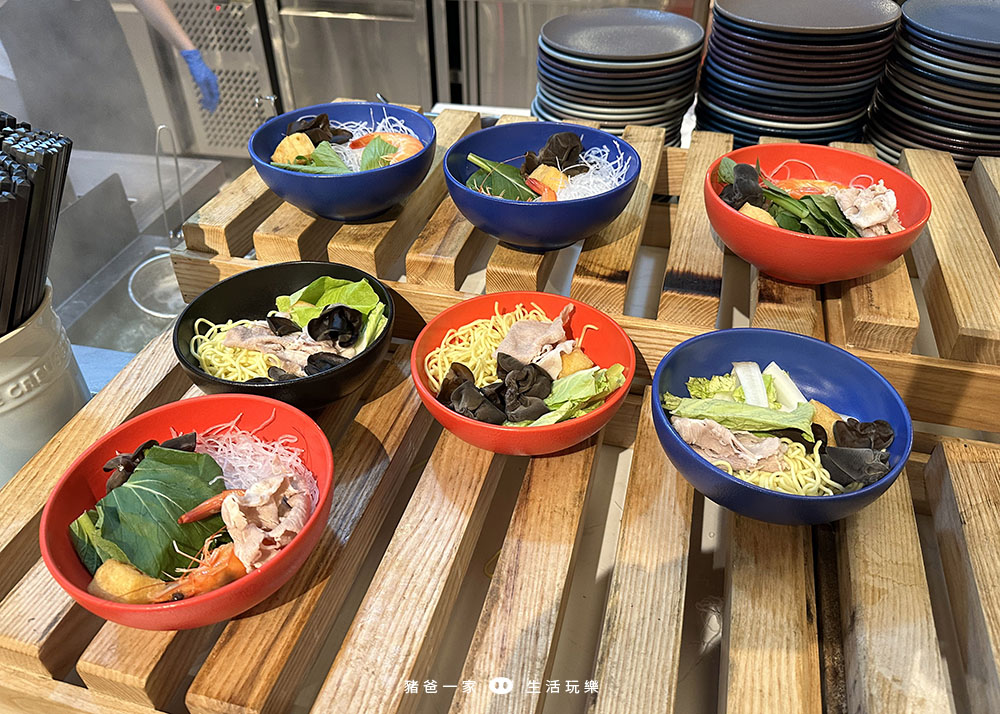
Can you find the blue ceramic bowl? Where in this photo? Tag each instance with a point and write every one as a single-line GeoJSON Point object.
{"type": "Point", "coordinates": [345, 197]}
{"type": "Point", "coordinates": [821, 371]}
{"type": "Point", "coordinates": [532, 226]}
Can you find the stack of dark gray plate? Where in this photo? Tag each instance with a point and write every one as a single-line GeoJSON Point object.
{"type": "Point", "coordinates": [619, 66]}
{"type": "Point", "coordinates": [804, 70]}
{"type": "Point", "coordinates": [941, 89]}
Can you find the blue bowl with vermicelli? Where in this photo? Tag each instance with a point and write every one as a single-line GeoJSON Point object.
{"type": "Point", "coordinates": [821, 371]}
{"type": "Point", "coordinates": [536, 226]}
{"type": "Point", "coordinates": [349, 196]}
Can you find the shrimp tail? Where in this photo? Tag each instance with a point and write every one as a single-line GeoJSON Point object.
{"type": "Point", "coordinates": [219, 567]}
{"type": "Point", "coordinates": [207, 508]}
{"type": "Point", "coordinates": [546, 194]}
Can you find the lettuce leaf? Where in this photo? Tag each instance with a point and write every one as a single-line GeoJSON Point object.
{"type": "Point", "coordinates": [333, 291]}
{"type": "Point", "coordinates": [578, 394]}
{"type": "Point", "coordinates": [727, 387]}
{"type": "Point", "coordinates": [741, 417]}
{"type": "Point", "coordinates": [137, 522]}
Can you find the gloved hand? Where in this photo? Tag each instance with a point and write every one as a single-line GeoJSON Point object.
{"type": "Point", "coordinates": [204, 77]}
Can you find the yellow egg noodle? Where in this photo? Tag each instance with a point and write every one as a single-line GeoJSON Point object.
{"type": "Point", "coordinates": [236, 364]}
{"type": "Point", "coordinates": [802, 473]}
{"type": "Point", "coordinates": [473, 345]}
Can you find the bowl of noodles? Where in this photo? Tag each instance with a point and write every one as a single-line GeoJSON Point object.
{"type": "Point", "coordinates": [813, 214]}
{"type": "Point", "coordinates": [522, 373]}
{"type": "Point", "coordinates": [345, 161]}
{"type": "Point", "coordinates": [541, 186]}
{"type": "Point", "coordinates": [815, 436]}
{"type": "Point", "coordinates": [306, 333]}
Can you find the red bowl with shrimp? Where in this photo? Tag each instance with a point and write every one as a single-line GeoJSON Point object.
{"type": "Point", "coordinates": [83, 485]}
{"type": "Point", "coordinates": [605, 346]}
{"type": "Point", "coordinates": [800, 257]}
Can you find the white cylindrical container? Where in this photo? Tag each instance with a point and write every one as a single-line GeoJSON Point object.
{"type": "Point", "coordinates": [41, 387]}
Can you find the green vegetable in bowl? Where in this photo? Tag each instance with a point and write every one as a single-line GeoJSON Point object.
{"type": "Point", "coordinates": [743, 417]}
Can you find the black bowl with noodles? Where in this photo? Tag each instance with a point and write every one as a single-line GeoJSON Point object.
{"type": "Point", "coordinates": [251, 296]}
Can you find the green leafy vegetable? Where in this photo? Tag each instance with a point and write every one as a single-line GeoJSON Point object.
{"type": "Point", "coordinates": [324, 155]}
{"type": "Point", "coordinates": [579, 393]}
{"type": "Point", "coordinates": [741, 417]}
{"type": "Point", "coordinates": [309, 169]}
{"type": "Point", "coordinates": [137, 522]}
{"type": "Point", "coordinates": [307, 303]}
{"type": "Point", "coordinates": [814, 226]}
{"type": "Point", "coordinates": [726, 387]}
{"type": "Point", "coordinates": [726, 165]}
{"type": "Point", "coordinates": [377, 154]}
{"type": "Point", "coordinates": [499, 180]}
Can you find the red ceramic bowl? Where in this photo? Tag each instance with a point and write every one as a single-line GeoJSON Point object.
{"type": "Point", "coordinates": [802, 258]}
{"type": "Point", "coordinates": [605, 347]}
{"type": "Point", "coordinates": [84, 484]}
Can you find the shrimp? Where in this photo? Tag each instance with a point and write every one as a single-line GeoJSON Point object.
{"type": "Point", "coordinates": [545, 193]}
{"type": "Point", "coordinates": [405, 144]}
{"type": "Point", "coordinates": [209, 507]}
{"type": "Point", "coordinates": [213, 570]}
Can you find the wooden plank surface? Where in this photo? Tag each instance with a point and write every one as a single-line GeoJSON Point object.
{"type": "Point", "coordinates": [958, 271]}
{"type": "Point", "coordinates": [225, 224]}
{"type": "Point", "coordinates": [934, 389]}
{"type": "Point", "coordinates": [604, 268]}
{"type": "Point", "coordinates": [22, 692]}
{"type": "Point", "coordinates": [880, 311]}
{"type": "Point", "coordinates": [671, 174]}
{"type": "Point", "coordinates": [242, 676]}
{"type": "Point", "coordinates": [399, 625]}
{"type": "Point", "coordinates": [637, 663]}
{"type": "Point", "coordinates": [693, 282]}
{"type": "Point", "coordinates": [522, 616]}
{"type": "Point", "coordinates": [984, 191]}
{"type": "Point", "coordinates": [893, 663]}
{"type": "Point", "coordinates": [963, 480]}
{"type": "Point", "coordinates": [292, 234]}
{"type": "Point", "coordinates": [510, 269]}
{"type": "Point", "coordinates": [377, 244]}
{"type": "Point", "coordinates": [770, 649]}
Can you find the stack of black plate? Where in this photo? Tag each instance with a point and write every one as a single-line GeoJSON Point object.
{"type": "Point", "coordinates": [941, 89]}
{"type": "Point", "coordinates": [619, 66]}
{"type": "Point", "coordinates": [804, 70]}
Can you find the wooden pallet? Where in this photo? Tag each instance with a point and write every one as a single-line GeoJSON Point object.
{"type": "Point", "coordinates": [831, 619]}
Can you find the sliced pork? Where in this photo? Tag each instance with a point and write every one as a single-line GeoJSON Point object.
{"type": "Point", "coordinates": [741, 450]}
{"type": "Point", "coordinates": [264, 519]}
{"type": "Point", "coordinates": [871, 210]}
{"type": "Point", "coordinates": [527, 340]}
{"type": "Point", "coordinates": [292, 351]}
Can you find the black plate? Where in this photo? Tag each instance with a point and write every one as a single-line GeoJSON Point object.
{"type": "Point", "coordinates": [617, 74]}
{"type": "Point", "coordinates": [251, 296]}
{"type": "Point", "coordinates": [623, 33]}
{"type": "Point", "coordinates": [804, 106]}
{"type": "Point", "coordinates": [793, 71]}
{"type": "Point", "coordinates": [773, 115]}
{"type": "Point", "coordinates": [967, 22]}
{"type": "Point", "coordinates": [816, 89]}
{"type": "Point", "coordinates": [950, 51]}
{"type": "Point", "coordinates": [953, 115]}
{"type": "Point", "coordinates": [734, 125]}
{"type": "Point", "coordinates": [954, 84]}
{"type": "Point", "coordinates": [790, 54]}
{"type": "Point", "coordinates": [901, 127]}
{"type": "Point", "coordinates": [783, 61]}
{"type": "Point", "coordinates": [608, 100]}
{"type": "Point", "coordinates": [844, 17]}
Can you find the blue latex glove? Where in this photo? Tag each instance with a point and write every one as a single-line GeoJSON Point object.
{"type": "Point", "coordinates": [204, 77]}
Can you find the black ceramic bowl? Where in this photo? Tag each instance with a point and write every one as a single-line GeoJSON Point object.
{"type": "Point", "coordinates": [250, 296]}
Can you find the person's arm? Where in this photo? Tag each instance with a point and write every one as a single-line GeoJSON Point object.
{"type": "Point", "coordinates": [163, 21]}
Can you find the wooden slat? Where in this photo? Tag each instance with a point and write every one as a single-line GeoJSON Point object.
{"type": "Point", "coordinates": [152, 378]}
{"type": "Point", "coordinates": [637, 663]}
{"type": "Point", "coordinates": [984, 191]}
{"type": "Point", "coordinates": [784, 306]}
{"type": "Point", "coordinates": [242, 676]}
{"type": "Point", "coordinates": [225, 224]}
{"type": "Point", "coordinates": [604, 268]}
{"type": "Point", "coordinates": [22, 692]}
{"type": "Point", "coordinates": [398, 627]}
{"type": "Point", "coordinates": [292, 234]}
{"type": "Point", "coordinates": [522, 616]}
{"type": "Point", "coordinates": [41, 629]}
{"type": "Point", "coordinates": [377, 244]}
{"type": "Point", "coordinates": [770, 651]}
{"type": "Point", "coordinates": [893, 662]}
{"type": "Point", "coordinates": [880, 311]}
{"type": "Point", "coordinates": [963, 480]}
{"type": "Point", "coordinates": [958, 271]}
{"type": "Point", "coordinates": [671, 174]}
{"type": "Point", "coordinates": [693, 282]}
{"type": "Point", "coordinates": [933, 388]}
{"type": "Point", "coordinates": [147, 667]}
{"type": "Point", "coordinates": [510, 269]}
